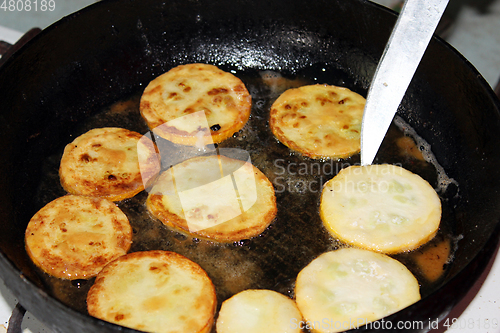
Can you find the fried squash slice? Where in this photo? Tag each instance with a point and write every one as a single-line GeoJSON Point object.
{"type": "Point", "coordinates": [110, 162]}
{"type": "Point", "coordinates": [214, 197]}
{"type": "Point", "coordinates": [349, 288]}
{"type": "Point", "coordinates": [319, 121]}
{"type": "Point", "coordinates": [74, 237]}
{"type": "Point", "coordinates": [383, 208]}
{"type": "Point", "coordinates": [259, 310]}
{"type": "Point", "coordinates": [196, 105]}
{"type": "Point", "coordinates": [154, 291]}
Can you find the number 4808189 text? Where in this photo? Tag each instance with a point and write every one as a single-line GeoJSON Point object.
{"type": "Point", "coordinates": [27, 5]}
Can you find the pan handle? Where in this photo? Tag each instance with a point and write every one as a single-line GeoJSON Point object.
{"type": "Point", "coordinates": [16, 319]}
{"type": "Point", "coordinates": [4, 46]}
{"type": "Point", "coordinates": [6, 49]}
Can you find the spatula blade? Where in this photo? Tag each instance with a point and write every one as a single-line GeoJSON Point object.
{"type": "Point", "coordinates": [408, 41]}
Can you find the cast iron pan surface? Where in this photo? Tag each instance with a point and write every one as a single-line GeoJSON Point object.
{"type": "Point", "coordinates": [69, 78]}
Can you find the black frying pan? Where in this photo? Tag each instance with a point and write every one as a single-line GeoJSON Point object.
{"type": "Point", "coordinates": [109, 52]}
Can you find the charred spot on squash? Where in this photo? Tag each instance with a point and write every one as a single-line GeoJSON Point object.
{"type": "Point", "coordinates": [215, 128]}
{"type": "Point", "coordinates": [86, 158]}
{"type": "Point", "coordinates": [217, 91]}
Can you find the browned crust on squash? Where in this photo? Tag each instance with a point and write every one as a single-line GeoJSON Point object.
{"type": "Point", "coordinates": [64, 239]}
{"type": "Point", "coordinates": [203, 307]}
{"type": "Point", "coordinates": [231, 97]}
{"type": "Point", "coordinates": [266, 199]}
{"type": "Point", "coordinates": [91, 166]}
{"type": "Point", "coordinates": [318, 121]}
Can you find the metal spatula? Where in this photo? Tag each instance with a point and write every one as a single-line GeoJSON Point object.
{"type": "Point", "coordinates": [409, 39]}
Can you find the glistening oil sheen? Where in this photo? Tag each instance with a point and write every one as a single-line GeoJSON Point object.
{"type": "Point", "coordinates": [273, 259]}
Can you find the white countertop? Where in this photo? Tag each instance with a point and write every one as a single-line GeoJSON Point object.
{"type": "Point", "coordinates": [476, 34]}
